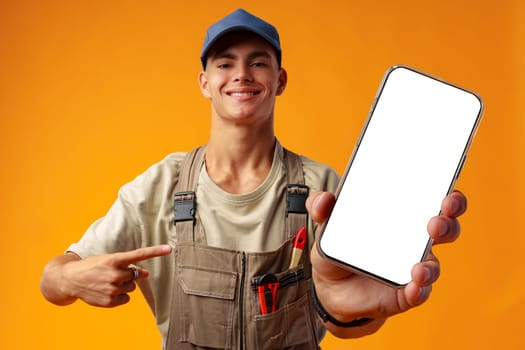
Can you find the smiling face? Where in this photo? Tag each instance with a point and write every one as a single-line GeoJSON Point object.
{"type": "Point", "coordinates": [242, 79]}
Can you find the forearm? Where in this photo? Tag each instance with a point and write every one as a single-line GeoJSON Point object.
{"type": "Point", "coordinates": [51, 284]}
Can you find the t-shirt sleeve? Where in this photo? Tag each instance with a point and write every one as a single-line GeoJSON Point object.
{"type": "Point", "coordinates": [319, 177]}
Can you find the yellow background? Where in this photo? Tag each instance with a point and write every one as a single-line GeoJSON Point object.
{"type": "Point", "coordinates": [93, 92]}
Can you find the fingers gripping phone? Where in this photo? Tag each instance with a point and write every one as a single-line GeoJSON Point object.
{"type": "Point", "coordinates": [407, 159]}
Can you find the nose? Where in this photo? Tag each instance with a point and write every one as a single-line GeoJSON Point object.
{"type": "Point", "coordinates": [243, 73]}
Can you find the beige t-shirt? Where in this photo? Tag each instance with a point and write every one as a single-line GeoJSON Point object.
{"type": "Point", "coordinates": [143, 216]}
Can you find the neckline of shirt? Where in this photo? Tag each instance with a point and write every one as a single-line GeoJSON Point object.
{"type": "Point", "coordinates": [208, 185]}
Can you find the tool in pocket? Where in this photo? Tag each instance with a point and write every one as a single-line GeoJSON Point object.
{"type": "Point", "coordinates": [267, 286]}
{"type": "Point", "coordinates": [298, 247]}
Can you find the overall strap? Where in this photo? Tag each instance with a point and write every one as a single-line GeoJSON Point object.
{"type": "Point", "coordinates": [296, 194]}
{"type": "Point", "coordinates": [185, 202]}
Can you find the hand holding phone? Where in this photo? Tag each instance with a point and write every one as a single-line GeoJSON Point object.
{"type": "Point", "coordinates": [407, 159]}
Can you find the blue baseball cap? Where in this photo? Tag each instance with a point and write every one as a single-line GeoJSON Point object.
{"type": "Point", "coordinates": [243, 21]}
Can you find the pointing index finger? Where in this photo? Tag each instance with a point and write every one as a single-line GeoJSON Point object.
{"type": "Point", "coordinates": [134, 256]}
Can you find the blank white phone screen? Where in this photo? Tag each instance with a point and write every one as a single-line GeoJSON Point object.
{"type": "Point", "coordinates": [408, 158]}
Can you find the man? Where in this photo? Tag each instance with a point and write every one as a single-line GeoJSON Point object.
{"type": "Point", "coordinates": [208, 236]}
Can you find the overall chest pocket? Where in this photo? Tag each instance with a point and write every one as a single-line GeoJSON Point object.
{"type": "Point", "coordinates": [206, 306]}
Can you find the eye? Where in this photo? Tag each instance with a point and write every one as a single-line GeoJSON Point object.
{"type": "Point", "coordinates": [223, 65]}
{"type": "Point", "coordinates": [259, 64]}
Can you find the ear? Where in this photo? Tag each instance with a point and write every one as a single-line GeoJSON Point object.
{"type": "Point", "coordinates": [283, 79]}
{"type": "Point", "coordinates": [203, 84]}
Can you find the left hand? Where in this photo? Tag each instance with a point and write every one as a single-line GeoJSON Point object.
{"type": "Point", "coordinates": [348, 296]}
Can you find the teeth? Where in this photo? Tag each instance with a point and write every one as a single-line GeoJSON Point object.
{"type": "Point", "coordinates": [241, 94]}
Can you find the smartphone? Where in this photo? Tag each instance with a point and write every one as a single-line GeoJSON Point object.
{"type": "Point", "coordinates": [407, 159]}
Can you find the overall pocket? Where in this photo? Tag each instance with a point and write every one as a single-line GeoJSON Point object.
{"type": "Point", "coordinates": [291, 325]}
{"type": "Point", "coordinates": [206, 306]}
{"type": "Point", "coordinates": [287, 328]}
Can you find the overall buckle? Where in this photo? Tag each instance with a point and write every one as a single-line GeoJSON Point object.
{"type": "Point", "coordinates": [184, 206]}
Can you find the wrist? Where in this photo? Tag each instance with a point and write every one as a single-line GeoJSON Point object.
{"type": "Point", "coordinates": [65, 275]}
{"type": "Point", "coordinates": [52, 284]}
{"type": "Point", "coordinates": [327, 317]}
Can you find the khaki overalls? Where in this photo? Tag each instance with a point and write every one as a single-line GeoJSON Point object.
{"type": "Point", "coordinates": [218, 293]}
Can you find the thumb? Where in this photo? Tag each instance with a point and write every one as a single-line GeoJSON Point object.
{"type": "Point", "coordinates": [319, 205]}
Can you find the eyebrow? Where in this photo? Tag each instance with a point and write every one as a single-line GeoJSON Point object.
{"type": "Point", "coordinates": [252, 55]}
